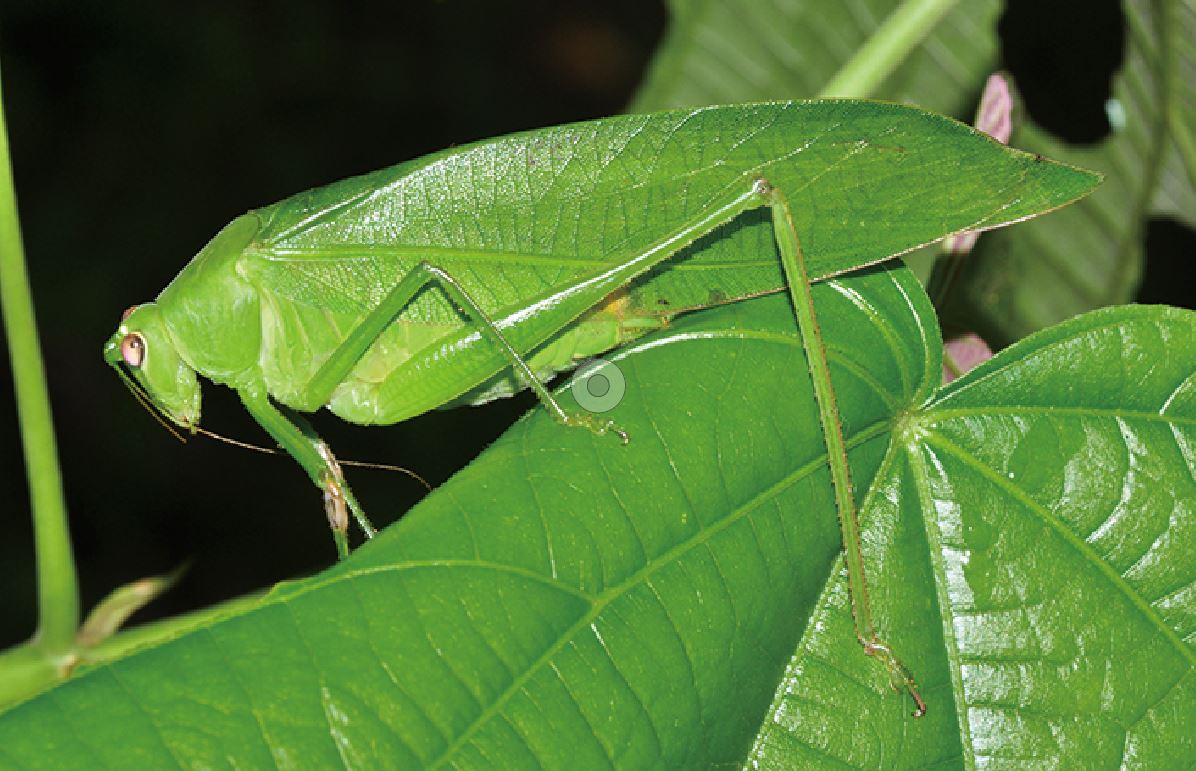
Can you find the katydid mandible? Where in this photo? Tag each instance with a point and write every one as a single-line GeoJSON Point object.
{"type": "Point", "coordinates": [476, 272]}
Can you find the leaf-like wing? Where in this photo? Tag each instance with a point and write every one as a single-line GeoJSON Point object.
{"type": "Point", "coordinates": [515, 218]}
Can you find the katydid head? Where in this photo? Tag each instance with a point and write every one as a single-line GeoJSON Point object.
{"type": "Point", "coordinates": [144, 354]}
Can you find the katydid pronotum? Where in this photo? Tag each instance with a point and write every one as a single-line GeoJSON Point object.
{"type": "Point", "coordinates": [476, 272]}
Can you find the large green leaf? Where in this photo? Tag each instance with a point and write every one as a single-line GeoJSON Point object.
{"type": "Point", "coordinates": [1052, 490]}
{"type": "Point", "coordinates": [563, 600]}
{"type": "Point", "coordinates": [569, 602]}
{"type": "Point", "coordinates": [1018, 280]}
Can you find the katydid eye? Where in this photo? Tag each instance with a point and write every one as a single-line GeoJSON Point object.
{"type": "Point", "coordinates": [132, 349]}
{"type": "Point", "coordinates": [128, 312]}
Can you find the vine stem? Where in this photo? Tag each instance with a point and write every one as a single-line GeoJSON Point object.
{"type": "Point", "coordinates": [888, 47]}
{"type": "Point", "coordinates": [57, 584]}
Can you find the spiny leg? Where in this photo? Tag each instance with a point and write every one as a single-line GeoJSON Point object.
{"type": "Point", "coordinates": [793, 263]}
{"type": "Point", "coordinates": [297, 437]}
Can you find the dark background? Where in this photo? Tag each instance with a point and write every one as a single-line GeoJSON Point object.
{"type": "Point", "coordinates": [139, 128]}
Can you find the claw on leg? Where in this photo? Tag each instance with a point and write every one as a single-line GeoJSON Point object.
{"type": "Point", "coordinates": [338, 516]}
{"type": "Point", "coordinates": [899, 675]}
{"type": "Point", "coordinates": [335, 507]}
{"type": "Point", "coordinates": [338, 500]}
{"type": "Point", "coordinates": [596, 425]}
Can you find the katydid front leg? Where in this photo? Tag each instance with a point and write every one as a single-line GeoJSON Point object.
{"type": "Point", "coordinates": [296, 436]}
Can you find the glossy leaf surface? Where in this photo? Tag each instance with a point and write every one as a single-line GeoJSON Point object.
{"type": "Point", "coordinates": [564, 599]}
{"type": "Point", "coordinates": [1052, 490]}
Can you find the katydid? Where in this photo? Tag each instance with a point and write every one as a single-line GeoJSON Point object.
{"type": "Point", "coordinates": [478, 271]}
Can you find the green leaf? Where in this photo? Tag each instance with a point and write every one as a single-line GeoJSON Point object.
{"type": "Point", "coordinates": [570, 602]}
{"type": "Point", "coordinates": [563, 600]}
{"type": "Point", "coordinates": [1052, 493]}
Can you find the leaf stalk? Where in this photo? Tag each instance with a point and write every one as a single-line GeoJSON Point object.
{"type": "Point", "coordinates": [887, 48]}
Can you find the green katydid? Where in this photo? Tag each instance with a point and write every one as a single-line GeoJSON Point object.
{"type": "Point", "coordinates": [481, 270]}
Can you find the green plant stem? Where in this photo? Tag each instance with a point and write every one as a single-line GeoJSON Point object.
{"type": "Point", "coordinates": [57, 585]}
{"type": "Point", "coordinates": [888, 47]}
{"type": "Point", "coordinates": [24, 671]}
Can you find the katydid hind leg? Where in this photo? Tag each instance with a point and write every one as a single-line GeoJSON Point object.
{"type": "Point", "coordinates": [300, 441]}
{"type": "Point", "coordinates": [793, 264]}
